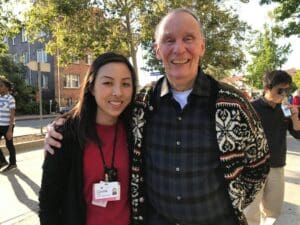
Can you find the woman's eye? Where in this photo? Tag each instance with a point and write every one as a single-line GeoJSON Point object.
{"type": "Point", "coordinates": [108, 83]}
{"type": "Point", "coordinates": [126, 84]}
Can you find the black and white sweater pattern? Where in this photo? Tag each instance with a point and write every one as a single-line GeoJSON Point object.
{"type": "Point", "coordinates": [242, 145]}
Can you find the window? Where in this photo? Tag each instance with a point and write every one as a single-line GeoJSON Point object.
{"type": "Point", "coordinates": [44, 81]}
{"type": "Point", "coordinates": [41, 34]}
{"type": "Point", "coordinates": [24, 37]}
{"type": "Point", "coordinates": [71, 81]}
{"type": "Point", "coordinates": [89, 59]}
{"type": "Point", "coordinates": [13, 40]}
{"type": "Point", "coordinates": [5, 39]}
{"type": "Point", "coordinates": [15, 58]}
{"type": "Point", "coordinates": [76, 61]}
{"type": "Point", "coordinates": [24, 58]}
{"type": "Point", "coordinates": [41, 55]}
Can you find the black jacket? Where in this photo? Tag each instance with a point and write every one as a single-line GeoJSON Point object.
{"type": "Point", "coordinates": [61, 195]}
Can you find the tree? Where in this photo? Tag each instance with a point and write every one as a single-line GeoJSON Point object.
{"type": "Point", "coordinates": [296, 78]}
{"type": "Point", "coordinates": [287, 13]}
{"type": "Point", "coordinates": [9, 23]}
{"type": "Point", "coordinates": [23, 93]}
{"type": "Point", "coordinates": [223, 31]}
{"type": "Point", "coordinates": [80, 26]}
{"type": "Point", "coordinates": [267, 55]}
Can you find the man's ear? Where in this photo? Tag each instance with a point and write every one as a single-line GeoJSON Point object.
{"type": "Point", "coordinates": [202, 48]}
{"type": "Point", "coordinates": [157, 51]}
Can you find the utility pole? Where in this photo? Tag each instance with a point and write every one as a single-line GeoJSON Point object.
{"type": "Point", "coordinates": [39, 67]}
{"type": "Point", "coordinates": [40, 95]}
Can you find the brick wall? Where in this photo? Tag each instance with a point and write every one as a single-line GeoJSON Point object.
{"type": "Point", "coordinates": [69, 96]}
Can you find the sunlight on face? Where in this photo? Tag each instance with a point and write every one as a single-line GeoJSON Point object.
{"type": "Point", "coordinates": [180, 45]}
{"type": "Point", "coordinates": [113, 91]}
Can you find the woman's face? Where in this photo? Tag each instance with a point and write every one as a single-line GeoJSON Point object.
{"type": "Point", "coordinates": [113, 89]}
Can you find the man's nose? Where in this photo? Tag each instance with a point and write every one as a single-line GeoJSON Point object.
{"type": "Point", "coordinates": [179, 46]}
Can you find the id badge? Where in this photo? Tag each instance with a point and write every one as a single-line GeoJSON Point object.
{"type": "Point", "coordinates": [105, 192]}
{"type": "Point", "coordinates": [99, 203]}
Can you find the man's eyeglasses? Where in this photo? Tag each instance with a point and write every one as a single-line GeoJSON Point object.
{"type": "Point", "coordinates": [282, 91]}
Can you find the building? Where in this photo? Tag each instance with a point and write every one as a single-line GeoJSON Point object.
{"type": "Point", "coordinates": [61, 84]}
{"type": "Point", "coordinates": [68, 80]}
{"type": "Point", "coordinates": [23, 51]}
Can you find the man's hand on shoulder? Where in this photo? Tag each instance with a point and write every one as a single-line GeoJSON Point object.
{"type": "Point", "coordinates": [53, 138]}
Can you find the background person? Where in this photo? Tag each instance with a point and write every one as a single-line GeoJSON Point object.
{"type": "Point", "coordinates": [94, 154]}
{"type": "Point", "coordinates": [267, 205]}
{"type": "Point", "coordinates": [7, 123]}
{"type": "Point", "coordinates": [296, 100]}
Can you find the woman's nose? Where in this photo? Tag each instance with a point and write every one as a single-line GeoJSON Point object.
{"type": "Point", "coordinates": [117, 90]}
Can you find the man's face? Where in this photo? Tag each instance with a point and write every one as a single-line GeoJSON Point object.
{"type": "Point", "coordinates": [277, 93]}
{"type": "Point", "coordinates": [180, 45]}
{"type": "Point", "coordinates": [3, 88]}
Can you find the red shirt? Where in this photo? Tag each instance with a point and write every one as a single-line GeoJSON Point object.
{"type": "Point", "coordinates": [296, 101]}
{"type": "Point", "coordinates": [116, 212]}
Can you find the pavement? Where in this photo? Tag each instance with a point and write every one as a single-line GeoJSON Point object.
{"type": "Point", "coordinates": [20, 131]}
{"type": "Point", "coordinates": [19, 188]}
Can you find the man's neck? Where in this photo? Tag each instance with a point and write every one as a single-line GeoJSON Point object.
{"type": "Point", "coordinates": [269, 102]}
{"type": "Point", "coordinates": [182, 87]}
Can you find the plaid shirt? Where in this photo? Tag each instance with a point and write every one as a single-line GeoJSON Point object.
{"type": "Point", "coordinates": [184, 181]}
{"type": "Point", "coordinates": [243, 150]}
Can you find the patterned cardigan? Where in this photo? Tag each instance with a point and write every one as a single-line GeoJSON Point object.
{"type": "Point", "coordinates": [242, 144]}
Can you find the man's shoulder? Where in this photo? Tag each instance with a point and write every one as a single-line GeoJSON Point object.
{"type": "Point", "coordinates": [230, 92]}
{"type": "Point", "coordinates": [259, 104]}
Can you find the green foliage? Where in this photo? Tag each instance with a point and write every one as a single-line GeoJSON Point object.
{"type": "Point", "coordinates": [267, 55]}
{"type": "Point", "coordinates": [77, 27]}
{"type": "Point", "coordinates": [23, 93]}
{"type": "Point", "coordinates": [223, 31]}
{"type": "Point", "coordinates": [9, 23]}
{"type": "Point", "coordinates": [81, 26]}
{"type": "Point", "coordinates": [287, 15]}
{"type": "Point", "coordinates": [296, 79]}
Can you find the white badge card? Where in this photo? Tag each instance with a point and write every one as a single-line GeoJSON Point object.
{"type": "Point", "coordinates": [106, 191]}
{"type": "Point", "coordinates": [99, 203]}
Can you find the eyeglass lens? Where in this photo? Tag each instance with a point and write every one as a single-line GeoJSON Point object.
{"type": "Point", "coordinates": [283, 90]}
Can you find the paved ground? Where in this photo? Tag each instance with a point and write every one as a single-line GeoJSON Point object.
{"type": "Point", "coordinates": [19, 190]}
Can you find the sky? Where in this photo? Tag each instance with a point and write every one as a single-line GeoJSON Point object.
{"type": "Point", "coordinates": [256, 15]}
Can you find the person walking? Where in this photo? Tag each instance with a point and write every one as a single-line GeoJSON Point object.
{"type": "Point", "coordinates": [277, 118]}
{"type": "Point", "coordinates": [86, 182]}
{"type": "Point", "coordinates": [7, 122]}
{"type": "Point", "coordinates": [200, 153]}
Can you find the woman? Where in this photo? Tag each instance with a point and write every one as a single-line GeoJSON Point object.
{"type": "Point", "coordinates": [87, 181]}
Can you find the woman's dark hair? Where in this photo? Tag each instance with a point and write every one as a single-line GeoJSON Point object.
{"type": "Point", "coordinates": [86, 108]}
{"type": "Point", "coordinates": [276, 77]}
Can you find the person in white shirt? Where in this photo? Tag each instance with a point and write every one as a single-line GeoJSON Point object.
{"type": "Point", "coordinates": [7, 121]}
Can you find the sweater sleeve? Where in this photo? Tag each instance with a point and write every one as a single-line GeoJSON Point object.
{"type": "Point", "coordinates": [53, 186]}
{"type": "Point", "coordinates": [243, 145]}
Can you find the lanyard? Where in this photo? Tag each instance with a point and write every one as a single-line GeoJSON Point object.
{"type": "Point", "coordinates": [110, 172]}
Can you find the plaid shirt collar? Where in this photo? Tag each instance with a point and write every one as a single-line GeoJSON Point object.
{"type": "Point", "coordinates": [202, 86]}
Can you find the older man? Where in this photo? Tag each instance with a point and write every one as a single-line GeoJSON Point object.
{"type": "Point", "coordinates": [201, 143]}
